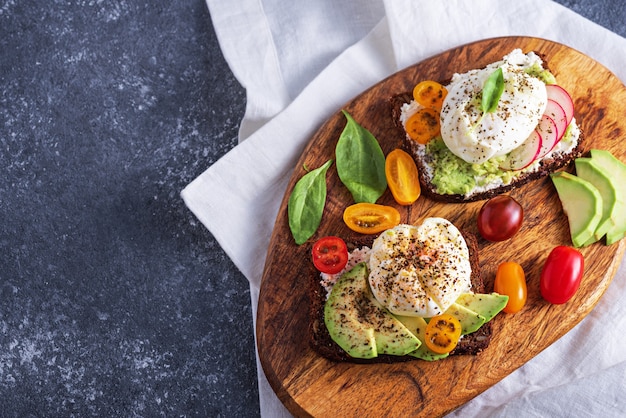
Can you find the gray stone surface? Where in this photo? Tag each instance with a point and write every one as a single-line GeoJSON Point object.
{"type": "Point", "coordinates": [114, 299]}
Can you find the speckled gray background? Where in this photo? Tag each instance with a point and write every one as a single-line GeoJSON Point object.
{"type": "Point", "coordinates": [114, 299]}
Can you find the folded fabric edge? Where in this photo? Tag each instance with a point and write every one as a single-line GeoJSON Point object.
{"type": "Point", "coordinates": [230, 25]}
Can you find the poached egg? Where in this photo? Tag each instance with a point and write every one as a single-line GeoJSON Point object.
{"type": "Point", "coordinates": [475, 137]}
{"type": "Point", "coordinates": [420, 270]}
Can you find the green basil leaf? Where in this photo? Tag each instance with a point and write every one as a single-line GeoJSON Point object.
{"type": "Point", "coordinates": [360, 162]}
{"type": "Point", "coordinates": [492, 91]}
{"type": "Point", "coordinates": [306, 203]}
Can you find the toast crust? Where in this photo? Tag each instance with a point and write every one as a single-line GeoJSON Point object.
{"type": "Point", "coordinates": [323, 344]}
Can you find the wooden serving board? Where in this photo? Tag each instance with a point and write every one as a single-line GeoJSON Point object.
{"type": "Point", "coordinates": [310, 385]}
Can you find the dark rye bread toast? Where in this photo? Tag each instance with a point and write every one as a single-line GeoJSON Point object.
{"type": "Point", "coordinates": [322, 343]}
{"type": "Point", "coordinates": [546, 166]}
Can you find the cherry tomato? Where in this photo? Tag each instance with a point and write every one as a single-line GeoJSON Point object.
{"type": "Point", "coordinates": [370, 218]}
{"type": "Point", "coordinates": [430, 94]}
{"type": "Point", "coordinates": [511, 281]}
{"type": "Point", "coordinates": [561, 274]}
{"type": "Point", "coordinates": [500, 218]}
{"type": "Point", "coordinates": [402, 177]}
{"type": "Point", "coordinates": [330, 254]}
{"type": "Point", "coordinates": [423, 125]}
{"type": "Point", "coordinates": [442, 333]}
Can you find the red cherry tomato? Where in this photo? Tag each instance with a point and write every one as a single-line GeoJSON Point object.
{"type": "Point", "coordinates": [511, 281]}
{"type": "Point", "coordinates": [500, 218]}
{"type": "Point", "coordinates": [561, 274]}
{"type": "Point", "coordinates": [330, 255]}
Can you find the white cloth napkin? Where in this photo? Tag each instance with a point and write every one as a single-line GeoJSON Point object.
{"type": "Point", "coordinates": [299, 64]}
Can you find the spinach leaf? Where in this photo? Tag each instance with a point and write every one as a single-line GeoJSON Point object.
{"type": "Point", "coordinates": [490, 96]}
{"type": "Point", "coordinates": [306, 203]}
{"type": "Point", "coordinates": [360, 162]}
{"type": "Point", "coordinates": [492, 91]}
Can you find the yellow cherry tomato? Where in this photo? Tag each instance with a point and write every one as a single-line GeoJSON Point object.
{"type": "Point", "coordinates": [442, 333]}
{"type": "Point", "coordinates": [370, 218]}
{"type": "Point", "coordinates": [430, 94]}
{"type": "Point", "coordinates": [402, 177]}
{"type": "Point", "coordinates": [423, 125]}
{"type": "Point", "coordinates": [511, 281]}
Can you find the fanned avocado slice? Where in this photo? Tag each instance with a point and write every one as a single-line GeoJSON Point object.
{"type": "Point", "coordinates": [582, 203]}
{"type": "Point", "coordinates": [588, 169]}
{"type": "Point", "coordinates": [417, 326]}
{"type": "Point", "coordinates": [486, 305]}
{"type": "Point", "coordinates": [359, 324]}
{"type": "Point", "coordinates": [470, 321]}
{"type": "Point", "coordinates": [616, 170]}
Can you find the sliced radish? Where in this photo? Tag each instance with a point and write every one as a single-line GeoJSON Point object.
{"type": "Point", "coordinates": [557, 113]}
{"type": "Point", "coordinates": [562, 97]}
{"type": "Point", "coordinates": [524, 155]}
{"type": "Point", "coordinates": [549, 133]}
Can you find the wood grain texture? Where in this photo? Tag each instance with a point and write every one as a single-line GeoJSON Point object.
{"type": "Point", "coordinates": [310, 385]}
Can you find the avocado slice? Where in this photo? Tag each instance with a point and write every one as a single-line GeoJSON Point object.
{"type": "Point", "coordinates": [470, 320]}
{"type": "Point", "coordinates": [359, 324]}
{"type": "Point", "coordinates": [581, 203]}
{"type": "Point", "coordinates": [417, 325]}
{"type": "Point", "coordinates": [588, 169]}
{"type": "Point", "coordinates": [615, 170]}
{"type": "Point", "coordinates": [486, 305]}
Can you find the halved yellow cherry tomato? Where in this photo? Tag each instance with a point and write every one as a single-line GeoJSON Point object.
{"type": "Point", "coordinates": [442, 333]}
{"type": "Point", "coordinates": [423, 125]}
{"type": "Point", "coordinates": [430, 94]}
{"type": "Point", "coordinates": [370, 218]}
{"type": "Point", "coordinates": [402, 177]}
{"type": "Point", "coordinates": [511, 281]}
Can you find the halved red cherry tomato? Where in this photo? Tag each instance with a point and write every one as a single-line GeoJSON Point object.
{"type": "Point", "coordinates": [442, 333]}
{"type": "Point", "coordinates": [402, 177]}
{"type": "Point", "coordinates": [500, 218]}
{"type": "Point", "coordinates": [430, 94]}
{"type": "Point", "coordinates": [370, 218]}
{"type": "Point", "coordinates": [561, 274]}
{"type": "Point", "coordinates": [511, 281]}
{"type": "Point", "coordinates": [423, 125]}
{"type": "Point", "coordinates": [330, 254]}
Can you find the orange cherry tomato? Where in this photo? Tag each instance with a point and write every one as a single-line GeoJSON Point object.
{"type": "Point", "coordinates": [430, 94]}
{"type": "Point", "coordinates": [370, 218]}
{"type": "Point", "coordinates": [402, 177]}
{"type": "Point", "coordinates": [511, 281]}
{"type": "Point", "coordinates": [423, 125]}
{"type": "Point", "coordinates": [442, 333]}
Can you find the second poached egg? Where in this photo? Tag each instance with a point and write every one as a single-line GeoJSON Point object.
{"type": "Point", "coordinates": [420, 270]}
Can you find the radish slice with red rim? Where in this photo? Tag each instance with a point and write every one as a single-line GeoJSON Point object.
{"type": "Point", "coordinates": [562, 97]}
{"type": "Point", "coordinates": [549, 133]}
{"type": "Point", "coordinates": [558, 115]}
{"type": "Point", "coordinates": [524, 155]}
